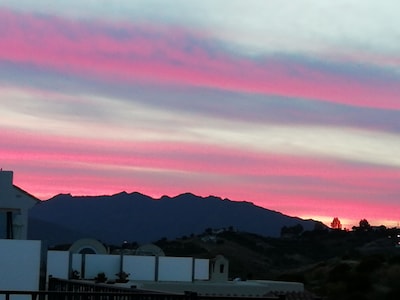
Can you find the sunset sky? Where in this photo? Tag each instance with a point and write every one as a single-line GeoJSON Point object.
{"type": "Point", "coordinates": [291, 105]}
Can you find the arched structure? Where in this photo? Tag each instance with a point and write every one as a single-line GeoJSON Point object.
{"type": "Point", "coordinates": [88, 246]}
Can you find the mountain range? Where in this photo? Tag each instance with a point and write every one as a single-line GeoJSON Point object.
{"type": "Point", "coordinates": [136, 217]}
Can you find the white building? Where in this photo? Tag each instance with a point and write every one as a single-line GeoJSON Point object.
{"type": "Point", "coordinates": [164, 274]}
{"type": "Point", "coordinates": [14, 206]}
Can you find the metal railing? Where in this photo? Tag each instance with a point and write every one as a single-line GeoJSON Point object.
{"type": "Point", "coordinates": [60, 289]}
{"type": "Point", "coordinates": [80, 290]}
{"type": "Point", "coordinates": [89, 295]}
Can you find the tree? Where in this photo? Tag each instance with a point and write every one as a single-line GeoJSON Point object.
{"type": "Point", "coordinates": [292, 231]}
{"type": "Point", "coordinates": [336, 224]}
{"type": "Point", "coordinates": [364, 225]}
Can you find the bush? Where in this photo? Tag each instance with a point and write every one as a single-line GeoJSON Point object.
{"type": "Point", "coordinates": [393, 294]}
{"type": "Point", "coordinates": [339, 273]}
{"type": "Point", "coordinates": [360, 283]}
{"type": "Point", "coordinates": [370, 263]}
{"type": "Point", "coordinates": [101, 277]}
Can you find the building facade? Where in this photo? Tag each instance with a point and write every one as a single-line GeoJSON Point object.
{"type": "Point", "coordinates": [14, 206]}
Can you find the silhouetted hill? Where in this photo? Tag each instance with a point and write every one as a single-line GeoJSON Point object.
{"type": "Point", "coordinates": [52, 233]}
{"type": "Point", "coordinates": [136, 217]}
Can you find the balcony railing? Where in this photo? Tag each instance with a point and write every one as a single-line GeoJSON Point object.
{"type": "Point", "coordinates": [60, 289]}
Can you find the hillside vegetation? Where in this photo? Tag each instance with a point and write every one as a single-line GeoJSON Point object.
{"type": "Point", "coordinates": [335, 264]}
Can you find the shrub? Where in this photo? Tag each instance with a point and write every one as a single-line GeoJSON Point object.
{"type": "Point", "coordinates": [370, 263]}
{"type": "Point", "coordinates": [339, 273]}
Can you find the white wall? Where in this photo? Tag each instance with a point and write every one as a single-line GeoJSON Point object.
{"type": "Point", "coordinates": [77, 263]}
{"type": "Point", "coordinates": [15, 200]}
{"type": "Point", "coordinates": [96, 263]}
{"type": "Point", "coordinates": [140, 267]}
{"type": "Point", "coordinates": [20, 265]}
{"type": "Point", "coordinates": [175, 268]}
{"type": "Point", "coordinates": [58, 264]}
{"type": "Point", "coordinates": [201, 269]}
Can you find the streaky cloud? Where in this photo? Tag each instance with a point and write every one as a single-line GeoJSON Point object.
{"type": "Point", "coordinates": [48, 86]}
{"type": "Point", "coordinates": [82, 48]}
{"type": "Point", "coordinates": [362, 31]}
{"type": "Point", "coordinates": [92, 167]}
{"type": "Point", "coordinates": [135, 122]}
{"type": "Point", "coordinates": [295, 110]}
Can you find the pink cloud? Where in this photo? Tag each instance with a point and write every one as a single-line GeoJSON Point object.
{"type": "Point", "coordinates": [132, 54]}
{"type": "Point", "coordinates": [185, 156]}
{"type": "Point", "coordinates": [48, 165]}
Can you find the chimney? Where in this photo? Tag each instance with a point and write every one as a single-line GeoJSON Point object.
{"type": "Point", "coordinates": [6, 180]}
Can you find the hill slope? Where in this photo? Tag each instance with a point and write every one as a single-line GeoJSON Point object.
{"type": "Point", "coordinates": [136, 217]}
{"type": "Point", "coordinates": [334, 264]}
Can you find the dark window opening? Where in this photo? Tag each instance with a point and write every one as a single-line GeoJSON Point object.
{"type": "Point", "coordinates": [10, 231]}
{"type": "Point", "coordinates": [87, 251]}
